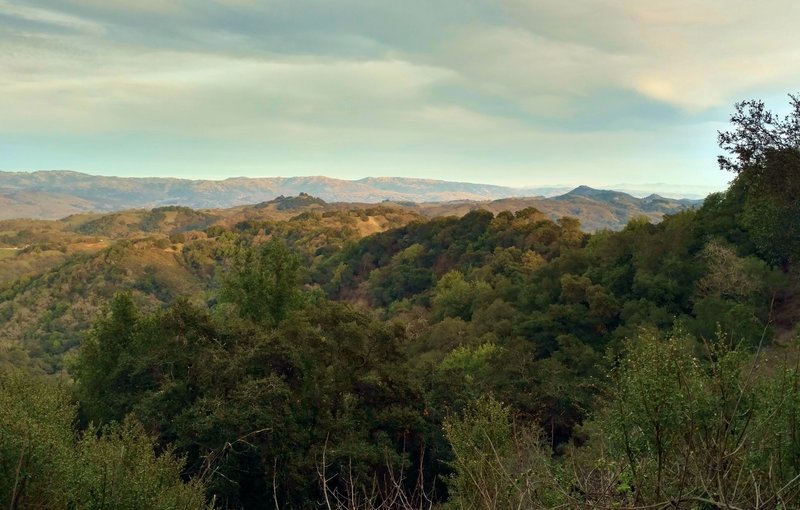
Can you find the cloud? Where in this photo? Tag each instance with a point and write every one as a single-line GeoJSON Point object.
{"type": "Point", "coordinates": [202, 94]}
{"type": "Point", "coordinates": [48, 17]}
{"type": "Point", "coordinates": [538, 53]}
{"type": "Point", "coordinates": [527, 66]}
{"type": "Point", "coordinates": [695, 55]}
{"type": "Point", "coordinates": [490, 80]}
{"type": "Point", "coordinates": [148, 6]}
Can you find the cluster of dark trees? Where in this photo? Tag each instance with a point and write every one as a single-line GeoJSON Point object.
{"type": "Point", "coordinates": [482, 362]}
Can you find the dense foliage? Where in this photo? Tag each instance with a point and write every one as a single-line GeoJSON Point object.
{"type": "Point", "coordinates": [43, 464]}
{"type": "Point", "coordinates": [491, 361]}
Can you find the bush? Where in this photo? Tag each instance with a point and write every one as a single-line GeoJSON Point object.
{"type": "Point", "coordinates": [43, 466]}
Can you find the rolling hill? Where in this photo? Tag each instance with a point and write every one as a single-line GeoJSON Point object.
{"type": "Point", "coordinates": [57, 194]}
{"type": "Point", "coordinates": [596, 209]}
{"type": "Point", "coordinates": [55, 275]}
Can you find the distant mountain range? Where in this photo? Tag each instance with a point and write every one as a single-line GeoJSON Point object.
{"type": "Point", "coordinates": [56, 194]}
{"type": "Point", "coordinates": [596, 209]}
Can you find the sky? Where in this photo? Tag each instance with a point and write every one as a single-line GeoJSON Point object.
{"type": "Point", "coordinates": [511, 92]}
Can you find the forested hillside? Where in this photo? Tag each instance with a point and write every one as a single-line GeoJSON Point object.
{"type": "Point", "coordinates": [290, 355]}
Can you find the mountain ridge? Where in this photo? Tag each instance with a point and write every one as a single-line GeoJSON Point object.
{"type": "Point", "coordinates": [54, 194]}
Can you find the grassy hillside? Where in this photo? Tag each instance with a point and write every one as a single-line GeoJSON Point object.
{"type": "Point", "coordinates": [56, 276]}
{"type": "Point", "coordinates": [49, 311]}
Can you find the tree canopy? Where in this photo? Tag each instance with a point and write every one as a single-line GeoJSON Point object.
{"type": "Point", "coordinates": [482, 362]}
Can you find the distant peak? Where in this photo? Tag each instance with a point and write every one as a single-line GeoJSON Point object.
{"type": "Point", "coordinates": [598, 194]}
{"type": "Point", "coordinates": [300, 201]}
{"type": "Point", "coordinates": [585, 191]}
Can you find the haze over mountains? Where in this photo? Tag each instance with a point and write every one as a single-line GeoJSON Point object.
{"type": "Point", "coordinates": [57, 194]}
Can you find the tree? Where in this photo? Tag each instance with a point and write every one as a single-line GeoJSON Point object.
{"type": "Point", "coordinates": [262, 282]}
{"type": "Point", "coordinates": [35, 435]}
{"type": "Point", "coordinates": [454, 296]}
{"type": "Point", "coordinates": [103, 368]}
{"type": "Point", "coordinates": [686, 432]}
{"type": "Point", "coordinates": [116, 468]}
{"type": "Point", "coordinates": [253, 408]}
{"type": "Point", "coordinates": [771, 211]}
{"type": "Point", "coordinates": [497, 465]}
{"type": "Point", "coordinates": [764, 152]}
{"type": "Point", "coordinates": [756, 132]}
{"type": "Point", "coordinates": [44, 463]}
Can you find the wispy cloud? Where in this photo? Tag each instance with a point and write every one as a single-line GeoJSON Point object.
{"type": "Point", "coordinates": [455, 84]}
{"type": "Point", "coordinates": [47, 17]}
